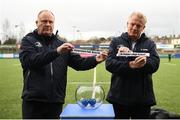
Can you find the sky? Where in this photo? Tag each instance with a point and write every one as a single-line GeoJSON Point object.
{"type": "Point", "coordinates": [85, 19]}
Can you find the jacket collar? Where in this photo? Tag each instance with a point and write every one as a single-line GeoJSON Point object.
{"type": "Point", "coordinates": [44, 39]}
{"type": "Point", "coordinates": [126, 37]}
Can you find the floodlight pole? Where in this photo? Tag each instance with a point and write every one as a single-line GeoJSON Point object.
{"type": "Point", "coordinates": [74, 32]}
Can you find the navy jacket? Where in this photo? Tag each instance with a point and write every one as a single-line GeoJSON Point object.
{"type": "Point", "coordinates": [131, 87]}
{"type": "Point", "coordinates": [44, 70]}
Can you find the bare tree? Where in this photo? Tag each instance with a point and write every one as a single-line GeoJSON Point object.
{"type": "Point", "coordinates": [6, 31]}
{"type": "Point", "coordinates": [21, 31]}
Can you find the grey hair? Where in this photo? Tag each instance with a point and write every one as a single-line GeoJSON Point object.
{"type": "Point", "coordinates": [140, 16]}
{"type": "Point", "coordinates": [44, 11]}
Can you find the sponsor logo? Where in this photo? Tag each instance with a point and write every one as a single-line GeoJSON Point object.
{"type": "Point", "coordinates": [38, 44]}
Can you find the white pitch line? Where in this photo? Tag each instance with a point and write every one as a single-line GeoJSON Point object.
{"type": "Point", "coordinates": [94, 84]}
{"type": "Point", "coordinates": [170, 64]}
{"type": "Point", "coordinates": [17, 64]}
{"type": "Point", "coordinates": [73, 83]}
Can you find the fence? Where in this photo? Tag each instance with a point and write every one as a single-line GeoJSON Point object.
{"type": "Point", "coordinates": [16, 55]}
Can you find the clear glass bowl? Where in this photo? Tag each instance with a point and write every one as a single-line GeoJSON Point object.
{"type": "Point", "coordinates": [89, 97]}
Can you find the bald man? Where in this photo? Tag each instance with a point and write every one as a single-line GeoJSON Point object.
{"type": "Point", "coordinates": [44, 59]}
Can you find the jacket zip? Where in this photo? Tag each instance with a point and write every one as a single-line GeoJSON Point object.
{"type": "Point", "coordinates": [51, 72]}
{"type": "Point", "coordinates": [26, 79]}
{"type": "Point", "coordinates": [51, 68]}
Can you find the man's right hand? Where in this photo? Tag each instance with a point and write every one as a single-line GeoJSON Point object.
{"type": "Point", "coordinates": [124, 49]}
{"type": "Point", "coordinates": [65, 48]}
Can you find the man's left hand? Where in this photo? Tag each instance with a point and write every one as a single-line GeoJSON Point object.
{"type": "Point", "coordinates": [102, 56]}
{"type": "Point", "coordinates": [139, 62]}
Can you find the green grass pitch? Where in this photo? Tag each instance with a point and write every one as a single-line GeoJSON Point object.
{"type": "Point", "coordinates": [166, 85]}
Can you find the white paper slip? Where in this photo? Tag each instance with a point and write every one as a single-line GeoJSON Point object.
{"type": "Point", "coordinates": [85, 51]}
{"type": "Point", "coordinates": [132, 54]}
